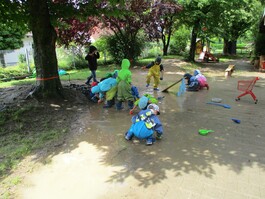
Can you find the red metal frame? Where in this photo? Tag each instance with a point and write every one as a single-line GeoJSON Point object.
{"type": "Point", "coordinates": [246, 86]}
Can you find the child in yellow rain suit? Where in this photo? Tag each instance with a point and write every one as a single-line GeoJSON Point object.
{"type": "Point", "coordinates": [155, 69]}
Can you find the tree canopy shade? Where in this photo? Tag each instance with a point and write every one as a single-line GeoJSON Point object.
{"type": "Point", "coordinates": [42, 16]}
{"type": "Point", "coordinates": [166, 13]}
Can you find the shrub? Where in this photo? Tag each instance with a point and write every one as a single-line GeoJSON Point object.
{"type": "Point", "coordinates": [71, 58]}
{"type": "Point", "coordinates": [179, 41]}
{"type": "Point", "coordinates": [119, 49]}
{"type": "Point", "coordinates": [151, 50]}
{"type": "Point", "coordinates": [22, 58]}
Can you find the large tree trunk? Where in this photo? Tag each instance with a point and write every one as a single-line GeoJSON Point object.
{"type": "Point", "coordinates": [193, 44]}
{"type": "Point", "coordinates": [165, 47]}
{"type": "Point", "coordinates": [44, 37]}
{"type": "Point", "coordinates": [262, 25]}
{"type": "Point", "coordinates": [166, 41]}
{"type": "Point", "coordinates": [232, 47]}
{"type": "Point", "coordinates": [225, 48]}
{"type": "Point", "coordinates": [229, 47]}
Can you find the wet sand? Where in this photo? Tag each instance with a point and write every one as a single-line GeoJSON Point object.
{"type": "Point", "coordinates": [97, 162]}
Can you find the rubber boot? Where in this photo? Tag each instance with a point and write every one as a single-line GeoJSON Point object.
{"type": "Point", "coordinates": [119, 105]}
{"type": "Point", "coordinates": [149, 141]}
{"type": "Point", "coordinates": [109, 104]}
{"type": "Point", "coordinates": [88, 80]}
{"type": "Point", "coordinates": [130, 104]}
{"type": "Point", "coordinates": [128, 135]}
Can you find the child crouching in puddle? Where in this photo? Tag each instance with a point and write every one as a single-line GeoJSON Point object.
{"type": "Point", "coordinates": [145, 124]}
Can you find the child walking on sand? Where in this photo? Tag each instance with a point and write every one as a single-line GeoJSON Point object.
{"type": "Point", "coordinates": [155, 70]}
{"type": "Point", "coordinates": [92, 58]}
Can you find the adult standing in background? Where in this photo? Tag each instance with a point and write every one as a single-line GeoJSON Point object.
{"type": "Point", "coordinates": [92, 57]}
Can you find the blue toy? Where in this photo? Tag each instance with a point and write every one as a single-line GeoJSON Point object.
{"type": "Point", "coordinates": [182, 88]}
{"type": "Point", "coordinates": [236, 120]}
{"type": "Point", "coordinates": [218, 104]}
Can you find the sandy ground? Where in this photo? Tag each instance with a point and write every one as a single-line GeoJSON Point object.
{"type": "Point", "coordinates": [97, 162]}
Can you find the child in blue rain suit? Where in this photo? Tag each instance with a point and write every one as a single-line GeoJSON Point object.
{"type": "Point", "coordinates": [104, 86]}
{"type": "Point", "coordinates": [110, 94]}
{"type": "Point", "coordinates": [145, 124]}
{"type": "Point", "coordinates": [192, 82]}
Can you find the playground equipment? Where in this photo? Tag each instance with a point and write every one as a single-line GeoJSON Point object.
{"type": "Point", "coordinates": [246, 86]}
{"type": "Point", "coordinates": [229, 70]}
{"type": "Point", "coordinates": [204, 51]}
{"type": "Point", "coordinates": [207, 57]}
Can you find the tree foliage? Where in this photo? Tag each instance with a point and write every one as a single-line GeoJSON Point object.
{"type": "Point", "coordinates": [11, 36]}
{"type": "Point", "coordinates": [74, 30]}
{"type": "Point", "coordinates": [11, 32]}
{"type": "Point", "coordinates": [180, 41]}
{"type": "Point", "coordinates": [165, 15]}
{"type": "Point", "coordinates": [197, 14]}
{"type": "Point", "coordinates": [126, 27]}
{"type": "Point", "coordinates": [235, 22]}
{"type": "Point", "coordinates": [42, 17]}
{"type": "Point", "coordinates": [71, 20]}
{"type": "Point", "coordinates": [226, 19]}
{"type": "Point", "coordinates": [155, 19]}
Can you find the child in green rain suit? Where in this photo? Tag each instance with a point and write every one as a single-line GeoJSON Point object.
{"type": "Point", "coordinates": [124, 80]}
{"type": "Point", "coordinates": [143, 102]}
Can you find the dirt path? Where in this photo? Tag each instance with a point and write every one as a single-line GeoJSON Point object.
{"type": "Point", "coordinates": [97, 162]}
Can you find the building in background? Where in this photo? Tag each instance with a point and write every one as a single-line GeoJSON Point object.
{"type": "Point", "coordinates": [11, 57]}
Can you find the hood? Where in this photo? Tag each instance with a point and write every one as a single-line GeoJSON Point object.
{"type": "Point", "coordinates": [92, 49]}
{"type": "Point", "coordinates": [158, 60]}
{"type": "Point", "coordinates": [196, 72]}
{"type": "Point", "coordinates": [95, 89]}
{"type": "Point", "coordinates": [125, 64]}
{"type": "Point", "coordinates": [154, 107]}
{"type": "Point", "coordinates": [109, 81]}
{"type": "Point", "coordinates": [187, 76]}
{"type": "Point", "coordinates": [143, 101]}
{"type": "Point", "coordinates": [115, 73]}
